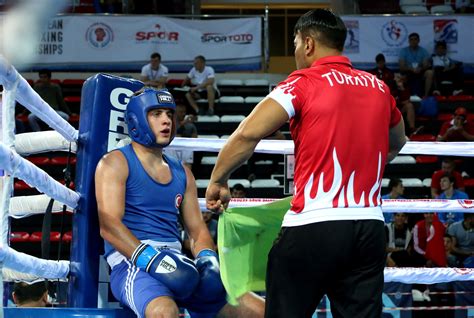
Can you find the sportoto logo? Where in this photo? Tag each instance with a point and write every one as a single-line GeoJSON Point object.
{"type": "Point", "coordinates": [219, 38]}
{"type": "Point", "coordinates": [446, 30]}
{"type": "Point", "coordinates": [467, 204]}
{"type": "Point", "coordinates": [99, 35]}
{"type": "Point", "coordinates": [394, 33]}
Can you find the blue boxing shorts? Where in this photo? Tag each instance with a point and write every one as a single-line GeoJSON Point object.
{"type": "Point", "coordinates": [135, 288]}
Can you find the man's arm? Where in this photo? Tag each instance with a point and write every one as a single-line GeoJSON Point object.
{"type": "Point", "coordinates": [110, 179]}
{"type": "Point", "coordinates": [60, 99]}
{"type": "Point", "coordinates": [198, 234]}
{"type": "Point", "coordinates": [397, 140]}
{"type": "Point", "coordinates": [240, 147]}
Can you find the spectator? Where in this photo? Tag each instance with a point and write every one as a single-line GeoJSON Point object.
{"type": "Point", "coordinates": [201, 78]}
{"type": "Point", "coordinates": [185, 128]}
{"type": "Point", "coordinates": [428, 239]}
{"type": "Point", "coordinates": [154, 73]}
{"type": "Point", "coordinates": [463, 238]}
{"type": "Point", "coordinates": [396, 188]}
{"type": "Point", "coordinates": [414, 61]}
{"type": "Point", "coordinates": [398, 240]}
{"type": "Point", "coordinates": [30, 295]}
{"type": "Point", "coordinates": [447, 186]}
{"type": "Point", "coordinates": [447, 166]}
{"type": "Point", "coordinates": [398, 89]}
{"type": "Point", "coordinates": [51, 94]}
{"type": "Point", "coordinates": [384, 73]}
{"type": "Point", "coordinates": [457, 129]}
{"type": "Point", "coordinates": [445, 69]}
{"type": "Point", "coordinates": [449, 249]}
{"type": "Point", "coordinates": [238, 191]}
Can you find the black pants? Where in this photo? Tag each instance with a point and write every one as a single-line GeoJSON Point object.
{"type": "Point", "coordinates": [342, 259]}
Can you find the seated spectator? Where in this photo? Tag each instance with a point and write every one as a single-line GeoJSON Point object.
{"type": "Point", "coordinates": [398, 89]}
{"type": "Point", "coordinates": [384, 73]}
{"type": "Point", "coordinates": [447, 167]}
{"type": "Point", "coordinates": [30, 295]}
{"type": "Point", "coordinates": [463, 238]}
{"type": "Point", "coordinates": [154, 73]}
{"type": "Point", "coordinates": [447, 186]}
{"type": "Point", "coordinates": [398, 239]}
{"type": "Point", "coordinates": [185, 127]}
{"type": "Point", "coordinates": [428, 240]}
{"type": "Point", "coordinates": [51, 94]}
{"type": "Point", "coordinates": [449, 249]}
{"type": "Point", "coordinates": [445, 69]}
{"type": "Point", "coordinates": [238, 191]}
{"type": "Point", "coordinates": [396, 189]}
{"type": "Point", "coordinates": [457, 129]}
{"type": "Point", "coordinates": [201, 78]}
{"type": "Point", "coordinates": [414, 62]}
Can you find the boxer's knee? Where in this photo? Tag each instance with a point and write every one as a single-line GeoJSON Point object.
{"type": "Point", "coordinates": [162, 307]}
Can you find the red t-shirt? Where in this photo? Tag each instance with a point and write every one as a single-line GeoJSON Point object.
{"type": "Point", "coordinates": [339, 120]}
{"type": "Point", "coordinates": [436, 178]}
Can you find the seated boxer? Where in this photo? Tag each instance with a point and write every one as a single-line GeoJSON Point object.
{"type": "Point", "coordinates": [151, 193]}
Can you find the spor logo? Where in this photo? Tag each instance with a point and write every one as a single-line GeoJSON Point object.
{"type": "Point", "coordinates": [394, 33]}
{"type": "Point", "coordinates": [165, 99]}
{"type": "Point", "coordinates": [99, 35]}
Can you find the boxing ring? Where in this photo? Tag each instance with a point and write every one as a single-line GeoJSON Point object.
{"type": "Point", "coordinates": [102, 126]}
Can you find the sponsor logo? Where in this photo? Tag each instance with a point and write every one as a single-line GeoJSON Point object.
{"type": "Point", "coordinates": [463, 271]}
{"type": "Point", "coordinates": [446, 30]}
{"type": "Point", "coordinates": [99, 35]}
{"type": "Point", "coordinates": [467, 204]}
{"type": "Point", "coordinates": [157, 35]}
{"type": "Point", "coordinates": [178, 200]}
{"type": "Point", "coordinates": [165, 99]}
{"type": "Point", "coordinates": [352, 39]}
{"type": "Point", "coordinates": [219, 38]}
{"type": "Point", "coordinates": [394, 33]}
{"type": "Point", "coordinates": [167, 265]}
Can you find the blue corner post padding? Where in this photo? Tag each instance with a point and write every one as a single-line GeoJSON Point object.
{"type": "Point", "coordinates": [103, 102]}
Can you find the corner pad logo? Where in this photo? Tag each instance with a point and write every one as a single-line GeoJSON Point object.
{"type": "Point", "coordinates": [220, 38]}
{"type": "Point", "coordinates": [445, 30]}
{"type": "Point", "coordinates": [394, 33]}
{"type": "Point", "coordinates": [178, 200]}
{"type": "Point", "coordinates": [99, 35]}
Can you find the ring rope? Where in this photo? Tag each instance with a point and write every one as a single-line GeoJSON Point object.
{"type": "Point", "coordinates": [14, 164]}
{"type": "Point", "coordinates": [462, 149]}
{"type": "Point", "coordinates": [29, 98]}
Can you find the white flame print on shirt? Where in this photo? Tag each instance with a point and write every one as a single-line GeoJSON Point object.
{"type": "Point", "coordinates": [326, 199]}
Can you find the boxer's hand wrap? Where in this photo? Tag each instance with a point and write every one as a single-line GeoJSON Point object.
{"type": "Point", "coordinates": [175, 271]}
{"type": "Point", "coordinates": [210, 286]}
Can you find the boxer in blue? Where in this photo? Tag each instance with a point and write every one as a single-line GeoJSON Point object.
{"type": "Point", "coordinates": [141, 195]}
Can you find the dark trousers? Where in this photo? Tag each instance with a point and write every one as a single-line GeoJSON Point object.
{"type": "Point", "coordinates": [342, 259]}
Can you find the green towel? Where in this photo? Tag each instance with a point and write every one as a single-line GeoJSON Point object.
{"type": "Point", "coordinates": [245, 236]}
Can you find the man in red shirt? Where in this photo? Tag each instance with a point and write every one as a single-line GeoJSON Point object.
{"type": "Point", "coordinates": [346, 127]}
{"type": "Point", "coordinates": [447, 167]}
{"type": "Point", "coordinates": [457, 129]}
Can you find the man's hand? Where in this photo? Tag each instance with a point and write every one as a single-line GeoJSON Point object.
{"type": "Point", "coordinates": [217, 197]}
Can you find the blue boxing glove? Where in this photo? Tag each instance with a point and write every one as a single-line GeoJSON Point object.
{"type": "Point", "coordinates": [210, 286]}
{"type": "Point", "coordinates": [175, 271]}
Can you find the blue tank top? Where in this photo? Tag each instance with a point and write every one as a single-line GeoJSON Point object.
{"type": "Point", "coordinates": [152, 208]}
